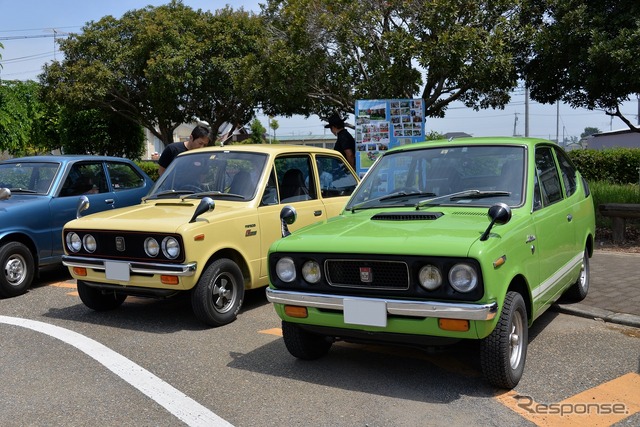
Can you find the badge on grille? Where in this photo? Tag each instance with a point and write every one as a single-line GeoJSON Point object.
{"type": "Point", "coordinates": [366, 274]}
{"type": "Point", "coordinates": [120, 243]}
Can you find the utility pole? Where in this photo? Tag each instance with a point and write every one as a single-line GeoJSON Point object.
{"type": "Point", "coordinates": [558, 121]}
{"type": "Point", "coordinates": [526, 111]}
{"type": "Point", "coordinates": [515, 122]}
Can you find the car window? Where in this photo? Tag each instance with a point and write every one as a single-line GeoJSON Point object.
{"type": "Point", "coordinates": [568, 173]}
{"type": "Point", "coordinates": [335, 178]}
{"type": "Point", "coordinates": [295, 178]}
{"type": "Point", "coordinates": [28, 176]}
{"type": "Point", "coordinates": [548, 177]}
{"type": "Point", "coordinates": [85, 178]}
{"type": "Point", "coordinates": [270, 196]}
{"type": "Point", "coordinates": [123, 176]}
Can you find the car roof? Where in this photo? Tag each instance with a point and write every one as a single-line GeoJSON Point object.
{"type": "Point", "coordinates": [267, 149]}
{"type": "Point", "coordinates": [64, 158]}
{"type": "Point", "coordinates": [485, 140]}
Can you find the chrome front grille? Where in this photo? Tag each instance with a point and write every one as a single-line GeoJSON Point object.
{"type": "Point", "coordinates": [367, 274]}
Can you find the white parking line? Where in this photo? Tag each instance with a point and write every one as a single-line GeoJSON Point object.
{"type": "Point", "coordinates": [173, 400]}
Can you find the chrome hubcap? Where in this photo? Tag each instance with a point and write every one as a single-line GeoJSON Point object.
{"type": "Point", "coordinates": [515, 341]}
{"type": "Point", "coordinates": [14, 270]}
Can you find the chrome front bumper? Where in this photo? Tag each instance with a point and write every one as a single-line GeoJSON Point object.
{"type": "Point", "coordinates": [134, 267]}
{"type": "Point", "coordinates": [443, 310]}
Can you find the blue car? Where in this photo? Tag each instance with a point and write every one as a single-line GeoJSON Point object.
{"type": "Point", "coordinates": [39, 195]}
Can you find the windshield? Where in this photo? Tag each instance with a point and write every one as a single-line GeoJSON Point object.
{"type": "Point", "coordinates": [28, 177]}
{"type": "Point", "coordinates": [455, 175]}
{"type": "Point", "coordinates": [225, 174]}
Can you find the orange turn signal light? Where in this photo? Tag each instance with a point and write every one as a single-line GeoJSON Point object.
{"type": "Point", "coordinates": [458, 325]}
{"type": "Point", "coordinates": [295, 311]}
{"type": "Point", "coordinates": [79, 271]}
{"type": "Point", "coordinates": [169, 280]}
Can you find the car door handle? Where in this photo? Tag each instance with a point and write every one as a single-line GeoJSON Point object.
{"type": "Point", "coordinates": [569, 217]}
{"type": "Point", "coordinates": [109, 201]}
{"type": "Point", "coordinates": [317, 213]}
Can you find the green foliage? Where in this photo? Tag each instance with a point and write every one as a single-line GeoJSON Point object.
{"type": "Point", "coordinates": [585, 53]}
{"type": "Point", "coordinates": [150, 168]}
{"type": "Point", "coordinates": [589, 131]}
{"type": "Point", "coordinates": [323, 55]}
{"type": "Point", "coordinates": [606, 192]}
{"type": "Point", "coordinates": [257, 133]}
{"type": "Point", "coordinates": [433, 136]}
{"type": "Point", "coordinates": [614, 165]}
{"type": "Point", "coordinates": [161, 66]}
{"type": "Point", "coordinates": [25, 121]}
{"type": "Point", "coordinates": [95, 131]}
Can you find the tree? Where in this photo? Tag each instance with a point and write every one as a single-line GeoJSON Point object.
{"type": "Point", "coordinates": [585, 53]}
{"type": "Point", "coordinates": [25, 121]}
{"type": "Point", "coordinates": [96, 131]}
{"type": "Point", "coordinates": [161, 66]}
{"type": "Point", "coordinates": [588, 131]}
{"type": "Point", "coordinates": [257, 132]}
{"type": "Point", "coordinates": [323, 55]}
{"type": "Point", "coordinates": [273, 124]}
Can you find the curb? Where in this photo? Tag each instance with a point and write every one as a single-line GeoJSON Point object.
{"type": "Point", "coordinates": [583, 310]}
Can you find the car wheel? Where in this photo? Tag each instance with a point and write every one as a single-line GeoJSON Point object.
{"type": "Point", "coordinates": [503, 352]}
{"type": "Point", "coordinates": [578, 291]}
{"type": "Point", "coordinates": [302, 344]}
{"type": "Point", "coordinates": [18, 269]}
{"type": "Point", "coordinates": [99, 300]}
{"type": "Point", "coordinates": [217, 297]}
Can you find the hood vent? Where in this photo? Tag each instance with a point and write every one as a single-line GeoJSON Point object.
{"type": "Point", "coordinates": [407, 216]}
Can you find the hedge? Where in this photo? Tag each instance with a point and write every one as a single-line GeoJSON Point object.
{"type": "Point", "coordinates": [614, 165]}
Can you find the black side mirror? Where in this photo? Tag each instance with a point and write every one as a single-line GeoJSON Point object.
{"type": "Point", "coordinates": [288, 216]}
{"type": "Point", "coordinates": [499, 213]}
{"type": "Point", "coordinates": [206, 205]}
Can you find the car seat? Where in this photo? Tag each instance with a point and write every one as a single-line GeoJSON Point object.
{"type": "Point", "coordinates": [241, 184]}
{"type": "Point", "coordinates": [293, 184]}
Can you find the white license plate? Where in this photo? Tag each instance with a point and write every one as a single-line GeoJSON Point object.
{"type": "Point", "coordinates": [368, 313]}
{"type": "Point", "coordinates": [117, 270]}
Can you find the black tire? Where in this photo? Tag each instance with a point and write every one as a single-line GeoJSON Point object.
{"type": "Point", "coordinates": [17, 269]}
{"type": "Point", "coordinates": [504, 351]}
{"type": "Point", "coordinates": [217, 297]}
{"type": "Point", "coordinates": [99, 300]}
{"type": "Point", "coordinates": [302, 344]}
{"type": "Point", "coordinates": [578, 291]}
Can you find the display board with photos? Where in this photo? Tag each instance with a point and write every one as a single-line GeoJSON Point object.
{"type": "Point", "coordinates": [385, 123]}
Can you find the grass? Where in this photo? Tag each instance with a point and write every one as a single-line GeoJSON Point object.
{"type": "Point", "coordinates": [605, 192]}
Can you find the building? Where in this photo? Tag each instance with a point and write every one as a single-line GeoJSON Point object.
{"type": "Point", "coordinates": [622, 138]}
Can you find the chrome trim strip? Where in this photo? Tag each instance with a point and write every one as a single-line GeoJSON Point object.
{"type": "Point", "coordinates": [444, 310]}
{"type": "Point", "coordinates": [134, 267]}
{"type": "Point", "coordinates": [556, 277]}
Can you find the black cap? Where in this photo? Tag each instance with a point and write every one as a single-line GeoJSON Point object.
{"type": "Point", "coordinates": [336, 121]}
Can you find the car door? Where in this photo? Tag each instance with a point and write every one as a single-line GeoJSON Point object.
{"type": "Point", "coordinates": [336, 182]}
{"type": "Point", "coordinates": [554, 228]}
{"type": "Point", "coordinates": [125, 183]}
{"type": "Point", "coordinates": [292, 182]}
{"type": "Point", "coordinates": [84, 178]}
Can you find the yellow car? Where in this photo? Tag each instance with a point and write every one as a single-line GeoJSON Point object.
{"type": "Point", "coordinates": [205, 227]}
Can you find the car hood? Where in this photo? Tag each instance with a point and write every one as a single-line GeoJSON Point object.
{"type": "Point", "coordinates": [393, 232]}
{"type": "Point", "coordinates": [18, 203]}
{"type": "Point", "coordinates": [156, 216]}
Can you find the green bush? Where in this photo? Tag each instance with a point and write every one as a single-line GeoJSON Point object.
{"type": "Point", "coordinates": [150, 168]}
{"type": "Point", "coordinates": [613, 165]}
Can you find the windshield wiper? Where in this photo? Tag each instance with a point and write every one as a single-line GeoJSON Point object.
{"type": "Point", "coordinates": [366, 204]}
{"type": "Point", "coordinates": [212, 194]}
{"type": "Point", "coordinates": [466, 194]}
{"type": "Point", "coordinates": [167, 193]}
{"type": "Point", "coordinates": [22, 190]}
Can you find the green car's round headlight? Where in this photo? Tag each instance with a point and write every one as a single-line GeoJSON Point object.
{"type": "Point", "coordinates": [430, 277]}
{"type": "Point", "coordinates": [170, 247]}
{"type": "Point", "coordinates": [74, 243]}
{"type": "Point", "coordinates": [286, 270]}
{"type": "Point", "coordinates": [151, 247]}
{"type": "Point", "coordinates": [463, 277]}
{"type": "Point", "coordinates": [311, 272]}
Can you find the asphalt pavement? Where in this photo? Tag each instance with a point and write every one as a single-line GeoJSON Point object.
{"type": "Point", "coordinates": [614, 289]}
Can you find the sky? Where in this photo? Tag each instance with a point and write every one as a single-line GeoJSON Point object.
{"type": "Point", "coordinates": [29, 28]}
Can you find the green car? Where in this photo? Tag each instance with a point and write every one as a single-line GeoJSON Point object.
{"type": "Point", "coordinates": [442, 241]}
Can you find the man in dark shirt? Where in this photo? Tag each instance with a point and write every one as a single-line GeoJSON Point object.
{"type": "Point", "coordinates": [345, 143]}
{"type": "Point", "coordinates": [199, 138]}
